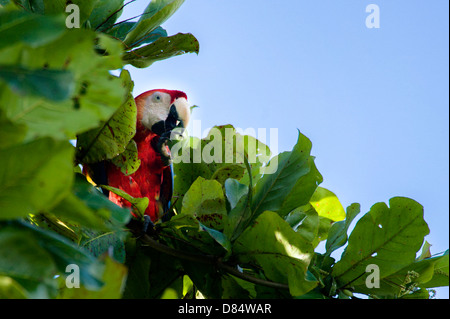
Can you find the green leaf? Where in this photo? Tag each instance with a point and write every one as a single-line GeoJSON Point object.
{"type": "Point", "coordinates": [240, 198]}
{"type": "Point", "coordinates": [388, 237]}
{"type": "Point", "coordinates": [22, 257]}
{"type": "Point", "coordinates": [10, 133]}
{"type": "Point", "coordinates": [235, 171]}
{"type": "Point", "coordinates": [440, 275]}
{"type": "Point", "coordinates": [140, 204]}
{"type": "Point", "coordinates": [138, 263]}
{"type": "Point", "coordinates": [90, 208]}
{"type": "Point", "coordinates": [65, 252]}
{"type": "Point", "coordinates": [121, 30]}
{"type": "Point", "coordinates": [305, 221]}
{"type": "Point", "coordinates": [205, 201]}
{"type": "Point", "coordinates": [105, 13]}
{"type": "Point", "coordinates": [426, 252]}
{"type": "Point", "coordinates": [114, 276]}
{"type": "Point", "coordinates": [337, 235]}
{"type": "Point", "coordinates": [234, 191]}
{"type": "Point", "coordinates": [32, 256]}
{"type": "Point", "coordinates": [163, 48]}
{"type": "Point", "coordinates": [113, 137]}
{"type": "Point", "coordinates": [303, 189]}
{"type": "Point", "coordinates": [156, 13]}
{"type": "Point", "coordinates": [10, 289]}
{"type": "Point", "coordinates": [39, 182]}
{"type": "Point", "coordinates": [53, 7]}
{"type": "Point", "coordinates": [327, 204]}
{"type": "Point", "coordinates": [218, 237]}
{"type": "Point", "coordinates": [423, 274]}
{"type": "Point", "coordinates": [97, 94]}
{"type": "Point", "coordinates": [128, 161]}
{"type": "Point", "coordinates": [32, 29]}
{"type": "Point", "coordinates": [55, 85]}
{"type": "Point", "coordinates": [272, 189]}
{"type": "Point", "coordinates": [281, 253]}
{"type": "Point", "coordinates": [187, 167]}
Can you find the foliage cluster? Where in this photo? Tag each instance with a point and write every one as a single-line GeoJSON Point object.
{"type": "Point", "coordinates": [236, 231]}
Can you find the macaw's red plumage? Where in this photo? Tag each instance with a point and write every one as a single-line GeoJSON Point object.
{"type": "Point", "coordinates": [160, 114]}
{"type": "Point", "coordinates": [153, 179]}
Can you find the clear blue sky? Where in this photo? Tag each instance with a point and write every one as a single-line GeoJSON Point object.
{"type": "Point", "coordinates": [374, 102]}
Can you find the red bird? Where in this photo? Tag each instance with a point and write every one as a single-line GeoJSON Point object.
{"type": "Point", "coordinates": [159, 113]}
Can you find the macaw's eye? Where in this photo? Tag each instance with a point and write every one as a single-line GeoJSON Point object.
{"type": "Point", "coordinates": [158, 97]}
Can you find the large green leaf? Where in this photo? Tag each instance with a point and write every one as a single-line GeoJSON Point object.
{"type": "Point", "coordinates": [327, 204]}
{"type": "Point", "coordinates": [153, 16]}
{"type": "Point", "coordinates": [205, 201]}
{"type": "Point", "coordinates": [33, 256]}
{"type": "Point", "coordinates": [64, 252]}
{"type": "Point", "coordinates": [39, 181]}
{"type": "Point", "coordinates": [387, 237]}
{"type": "Point", "coordinates": [337, 235]}
{"type": "Point", "coordinates": [10, 133]}
{"type": "Point", "coordinates": [114, 276]}
{"type": "Point", "coordinates": [128, 161]}
{"type": "Point", "coordinates": [90, 208]}
{"type": "Point", "coordinates": [440, 275]}
{"type": "Point", "coordinates": [303, 189]}
{"type": "Point", "coordinates": [426, 273]}
{"type": "Point", "coordinates": [113, 137]}
{"type": "Point", "coordinates": [163, 48]}
{"type": "Point", "coordinates": [32, 29]}
{"type": "Point", "coordinates": [187, 167]}
{"type": "Point", "coordinates": [281, 253]}
{"type": "Point", "coordinates": [53, 7]}
{"type": "Point", "coordinates": [272, 189]}
{"type": "Point", "coordinates": [56, 85]}
{"type": "Point", "coordinates": [96, 96]}
{"type": "Point", "coordinates": [105, 13]}
{"type": "Point", "coordinates": [22, 257]}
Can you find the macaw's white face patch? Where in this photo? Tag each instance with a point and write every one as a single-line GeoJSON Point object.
{"type": "Point", "coordinates": [160, 110]}
{"type": "Point", "coordinates": [156, 108]}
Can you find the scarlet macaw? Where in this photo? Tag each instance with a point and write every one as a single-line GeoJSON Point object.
{"type": "Point", "coordinates": [159, 112]}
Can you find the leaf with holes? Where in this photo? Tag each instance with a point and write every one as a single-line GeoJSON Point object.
{"type": "Point", "coordinates": [388, 237]}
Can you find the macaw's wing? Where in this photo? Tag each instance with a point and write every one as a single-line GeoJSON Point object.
{"type": "Point", "coordinates": [96, 173]}
{"type": "Point", "coordinates": [166, 190]}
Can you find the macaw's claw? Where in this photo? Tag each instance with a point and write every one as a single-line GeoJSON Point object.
{"type": "Point", "coordinates": [141, 227]}
{"type": "Point", "coordinates": [148, 227]}
{"type": "Point", "coordinates": [162, 147]}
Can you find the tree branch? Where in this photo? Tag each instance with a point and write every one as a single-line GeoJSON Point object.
{"type": "Point", "coordinates": [208, 259]}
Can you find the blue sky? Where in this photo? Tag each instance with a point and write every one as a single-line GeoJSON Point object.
{"type": "Point", "coordinates": [374, 102]}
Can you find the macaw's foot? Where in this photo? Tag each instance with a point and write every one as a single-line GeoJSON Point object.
{"type": "Point", "coordinates": [141, 227]}
{"type": "Point", "coordinates": [148, 227]}
{"type": "Point", "coordinates": [162, 148]}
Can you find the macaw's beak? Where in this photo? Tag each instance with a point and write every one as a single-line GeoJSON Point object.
{"type": "Point", "coordinates": [171, 128]}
